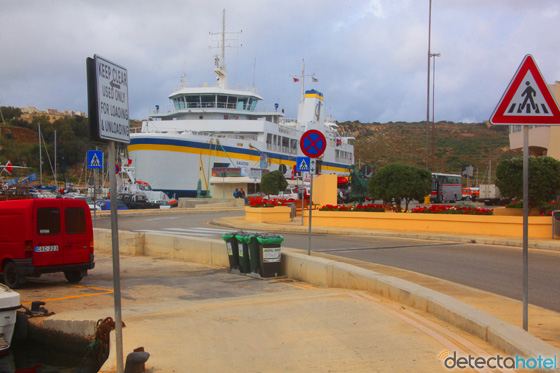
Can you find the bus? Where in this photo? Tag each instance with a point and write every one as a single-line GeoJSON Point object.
{"type": "Point", "coordinates": [446, 188]}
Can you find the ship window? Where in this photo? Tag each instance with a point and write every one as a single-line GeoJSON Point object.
{"type": "Point", "coordinates": [192, 101]}
{"type": "Point", "coordinates": [241, 103]}
{"type": "Point", "coordinates": [208, 101]}
{"type": "Point", "coordinates": [222, 101]}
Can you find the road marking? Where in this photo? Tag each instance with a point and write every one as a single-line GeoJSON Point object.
{"type": "Point", "coordinates": [199, 232]}
{"type": "Point", "coordinates": [105, 291]}
{"type": "Point", "coordinates": [386, 247]}
{"type": "Point", "coordinates": [167, 218]}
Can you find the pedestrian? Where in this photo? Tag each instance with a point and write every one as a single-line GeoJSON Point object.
{"type": "Point", "coordinates": [235, 193]}
{"type": "Point", "coordinates": [242, 195]}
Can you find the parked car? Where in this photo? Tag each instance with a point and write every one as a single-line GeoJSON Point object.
{"type": "Point", "coordinates": [43, 236]}
{"type": "Point", "coordinates": [106, 204]}
{"type": "Point", "coordinates": [163, 205]}
{"type": "Point", "coordinates": [136, 201]}
{"type": "Point", "coordinates": [291, 193]}
{"type": "Point", "coordinates": [92, 206]}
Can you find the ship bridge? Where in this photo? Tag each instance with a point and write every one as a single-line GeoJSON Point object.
{"type": "Point", "coordinates": [214, 103]}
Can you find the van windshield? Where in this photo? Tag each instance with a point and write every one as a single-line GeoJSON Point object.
{"type": "Point", "coordinates": [48, 220]}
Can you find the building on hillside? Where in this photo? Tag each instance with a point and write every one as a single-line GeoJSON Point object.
{"type": "Point", "coordinates": [28, 113]}
{"type": "Point", "coordinates": [543, 140]}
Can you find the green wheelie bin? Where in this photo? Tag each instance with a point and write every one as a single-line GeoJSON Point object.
{"type": "Point", "coordinates": [243, 238]}
{"type": "Point", "coordinates": [232, 249]}
{"type": "Point", "coordinates": [254, 254]}
{"type": "Point", "coordinates": [270, 254]}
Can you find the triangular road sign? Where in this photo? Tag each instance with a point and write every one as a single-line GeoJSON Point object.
{"type": "Point", "coordinates": [527, 100]}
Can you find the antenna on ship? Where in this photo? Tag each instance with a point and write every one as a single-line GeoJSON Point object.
{"type": "Point", "coordinates": [220, 68]}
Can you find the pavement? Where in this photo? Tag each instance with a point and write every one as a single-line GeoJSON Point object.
{"type": "Point", "coordinates": [194, 317]}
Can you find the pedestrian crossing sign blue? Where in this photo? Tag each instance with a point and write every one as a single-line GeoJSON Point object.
{"type": "Point", "coordinates": [302, 164]}
{"type": "Point", "coordinates": [95, 159]}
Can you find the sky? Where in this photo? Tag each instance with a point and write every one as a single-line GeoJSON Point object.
{"type": "Point", "coordinates": [370, 57]}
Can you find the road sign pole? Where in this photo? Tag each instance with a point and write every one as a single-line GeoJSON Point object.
{"type": "Point", "coordinates": [310, 210]}
{"type": "Point", "coordinates": [116, 263]}
{"type": "Point", "coordinates": [526, 227]}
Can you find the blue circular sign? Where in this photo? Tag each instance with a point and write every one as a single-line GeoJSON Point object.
{"type": "Point", "coordinates": [313, 143]}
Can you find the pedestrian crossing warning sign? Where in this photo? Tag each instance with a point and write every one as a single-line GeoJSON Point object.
{"type": "Point", "coordinates": [302, 164]}
{"type": "Point", "coordinates": [527, 100]}
{"type": "Point", "coordinates": [95, 159]}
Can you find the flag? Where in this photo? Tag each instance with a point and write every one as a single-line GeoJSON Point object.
{"type": "Point", "coordinates": [296, 80]}
{"type": "Point", "coordinates": [315, 80]}
{"type": "Point", "coordinates": [8, 167]}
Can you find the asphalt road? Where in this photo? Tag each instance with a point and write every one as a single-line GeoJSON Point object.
{"type": "Point", "coordinates": [497, 269]}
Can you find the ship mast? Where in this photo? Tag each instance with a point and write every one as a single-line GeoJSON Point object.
{"type": "Point", "coordinates": [301, 78]}
{"type": "Point", "coordinates": [220, 68]}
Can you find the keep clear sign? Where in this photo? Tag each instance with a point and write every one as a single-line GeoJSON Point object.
{"type": "Point", "coordinates": [112, 91]}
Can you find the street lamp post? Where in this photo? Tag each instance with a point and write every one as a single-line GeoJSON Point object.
{"type": "Point", "coordinates": [434, 55]}
{"type": "Point", "coordinates": [428, 91]}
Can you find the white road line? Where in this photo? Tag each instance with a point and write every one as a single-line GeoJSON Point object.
{"type": "Point", "coordinates": [182, 232]}
{"type": "Point", "coordinates": [197, 229]}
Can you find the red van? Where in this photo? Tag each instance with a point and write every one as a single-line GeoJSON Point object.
{"type": "Point", "coordinates": [43, 236]}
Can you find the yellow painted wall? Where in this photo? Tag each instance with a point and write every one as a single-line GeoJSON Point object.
{"type": "Point", "coordinates": [324, 190]}
{"type": "Point", "coordinates": [279, 214]}
{"type": "Point", "coordinates": [510, 226]}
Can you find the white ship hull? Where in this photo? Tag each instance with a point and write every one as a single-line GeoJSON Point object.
{"type": "Point", "coordinates": [174, 163]}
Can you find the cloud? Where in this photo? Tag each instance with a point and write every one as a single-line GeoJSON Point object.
{"type": "Point", "coordinates": [370, 55]}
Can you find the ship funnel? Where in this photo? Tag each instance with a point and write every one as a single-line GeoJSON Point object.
{"type": "Point", "coordinates": [310, 110]}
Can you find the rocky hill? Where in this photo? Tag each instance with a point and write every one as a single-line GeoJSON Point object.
{"type": "Point", "coordinates": [456, 145]}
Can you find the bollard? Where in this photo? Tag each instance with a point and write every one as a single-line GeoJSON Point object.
{"type": "Point", "coordinates": [135, 361]}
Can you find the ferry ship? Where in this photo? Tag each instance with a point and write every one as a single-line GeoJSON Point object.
{"type": "Point", "coordinates": [211, 128]}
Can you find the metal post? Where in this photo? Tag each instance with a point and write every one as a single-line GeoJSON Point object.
{"type": "Point", "coordinates": [428, 94]}
{"type": "Point", "coordinates": [302, 197]}
{"type": "Point", "coordinates": [310, 210]}
{"type": "Point", "coordinates": [40, 155]}
{"type": "Point", "coordinates": [116, 264]}
{"type": "Point", "coordinates": [526, 227]}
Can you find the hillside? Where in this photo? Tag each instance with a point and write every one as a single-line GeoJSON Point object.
{"type": "Point", "coordinates": [456, 144]}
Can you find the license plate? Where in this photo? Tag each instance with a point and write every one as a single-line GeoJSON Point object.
{"type": "Point", "coordinates": [45, 249]}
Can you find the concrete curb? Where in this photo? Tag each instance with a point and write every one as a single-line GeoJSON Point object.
{"type": "Point", "coordinates": [327, 273]}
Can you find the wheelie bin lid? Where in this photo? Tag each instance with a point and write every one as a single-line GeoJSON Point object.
{"type": "Point", "coordinates": [229, 235]}
{"type": "Point", "coordinates": [244, 236]}
{"type": "Point", "coordinates": [270, 239]}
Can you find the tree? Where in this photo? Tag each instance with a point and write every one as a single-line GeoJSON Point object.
{"type": "Point", "coordinates": [273, 182]}
{"type": "Point", "coordinates": [400, 182]}
{"type": "Point", "coordinates": [544, 178]}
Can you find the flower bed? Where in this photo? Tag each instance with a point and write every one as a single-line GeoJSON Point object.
{"type": "Point", "coordinates": [260, 202]}
{"type": "Point", "coordinates": [547, 209]}
{"type": "Point", "coordinates": [544, 210]}
{"type": "Point", "coordinates": [363, 208]}
{"type": "Point", "coordinates": [439, 209]}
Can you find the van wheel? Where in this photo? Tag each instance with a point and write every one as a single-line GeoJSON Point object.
{"type": "Point", "coordinates": [73, 276]}
{"type": "Point", "coordinates": [11, 276]}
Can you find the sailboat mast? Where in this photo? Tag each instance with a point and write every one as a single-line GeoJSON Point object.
{"type": "Point", "coordinates": [40, 155]}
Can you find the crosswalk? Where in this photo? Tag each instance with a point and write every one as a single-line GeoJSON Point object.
{"type": "Point", "coordinates": [199, 232]}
